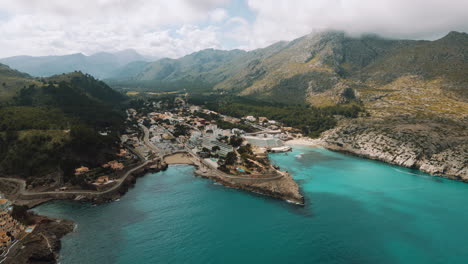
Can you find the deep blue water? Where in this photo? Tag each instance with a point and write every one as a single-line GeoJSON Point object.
{"type": "Point", "coordinates": [358, 211]}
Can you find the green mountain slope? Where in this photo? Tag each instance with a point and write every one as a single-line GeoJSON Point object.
{"type": "Point", "coordinates": [199, 71]}
{"type": "Point", "coordinates": [11, 82]}
{"type": "Point", "coordinates": [202, 69]}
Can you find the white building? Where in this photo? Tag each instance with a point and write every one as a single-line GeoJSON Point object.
{"type": "Point", "coordinates": [224, 149]}
{"type": "Point", "coordinates": [250, 118]}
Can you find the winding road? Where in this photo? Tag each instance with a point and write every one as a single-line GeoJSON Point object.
{"type": "Point", "coordinates": [22, 185]}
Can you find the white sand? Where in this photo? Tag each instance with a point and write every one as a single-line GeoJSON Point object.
{"type": "Point", "coordinates": [305, 141]}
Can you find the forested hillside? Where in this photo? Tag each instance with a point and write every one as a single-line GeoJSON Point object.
{"type": "Point", "coordinates": [51, 125]}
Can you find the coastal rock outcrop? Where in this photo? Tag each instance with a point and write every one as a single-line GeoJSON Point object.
{"type": "Point", "coordinates": [43, 244]}
{"type": "Point", "coordinates": [283, 187]}
{"type": "Point", "coordinates": [436, 148]}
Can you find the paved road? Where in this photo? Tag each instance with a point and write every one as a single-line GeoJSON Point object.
{"type": "Point", "coordinates": [148, 143]}
{"type": "Point", "coordinates": [23, 191]}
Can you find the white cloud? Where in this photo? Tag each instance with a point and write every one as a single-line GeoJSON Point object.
{"type": "Point", "coordinates": [185, 40]}
{"type": "Point", "coordinates": [286, 20]}
{"type": "Point", "coordinates": [218, 15]}
{"type": "Point", "coordinates": [45, 27]}
{"type": "Point", "coordinates": [177, 27]}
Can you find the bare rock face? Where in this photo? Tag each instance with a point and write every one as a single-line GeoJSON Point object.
{"type": "Point", "coordinates": [438, 149]}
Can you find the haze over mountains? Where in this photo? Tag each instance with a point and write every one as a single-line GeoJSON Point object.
{"type": "Point", "coordinates": [100, 65]}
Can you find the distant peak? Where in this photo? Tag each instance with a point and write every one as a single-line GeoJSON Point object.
{"type": "Point", "coordinates": [455, 35]}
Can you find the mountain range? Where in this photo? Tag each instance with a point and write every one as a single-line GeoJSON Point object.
{"type": "Point", "coordinates": [319, 69]}
{"type": "Point", "coordinates": [415, 92]}
{"type": "Point", "coordinates": [100, 65]}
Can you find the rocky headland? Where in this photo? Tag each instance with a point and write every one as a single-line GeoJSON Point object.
{"type": "Point", "coordinates": [436, 148]}
{"type": "Point", "coordinates": [281, 187]}
{"type": "Point", "coordinates": [43, 244]}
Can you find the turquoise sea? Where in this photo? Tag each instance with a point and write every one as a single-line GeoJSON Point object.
{"type": "Point", "coordinates": [358, 211]}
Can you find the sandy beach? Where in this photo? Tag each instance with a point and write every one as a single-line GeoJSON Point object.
{"type": "Point", "coordinates": [178, 158]}
{"type": "Point", "coordinates": [305, 141]}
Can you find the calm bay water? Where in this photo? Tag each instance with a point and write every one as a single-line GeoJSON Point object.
{"type": "Point", "coordinates": [358, 211]}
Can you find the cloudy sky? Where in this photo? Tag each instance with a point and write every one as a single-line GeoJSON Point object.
{"type": "Point", "coordinates": [173, 28]}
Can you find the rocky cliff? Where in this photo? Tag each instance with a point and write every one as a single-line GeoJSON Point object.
{"type": "Point", "coordinates": [436, 148]}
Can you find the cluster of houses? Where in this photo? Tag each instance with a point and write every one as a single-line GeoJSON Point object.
{"type": "Point", "coordinates": [10, 229]}
{"type": "Point", "coordinates": [263, 122]}
{"type": "Point", "coordinates": [204, 136]}
{"type": "Point", "coordinates": [114, 165]}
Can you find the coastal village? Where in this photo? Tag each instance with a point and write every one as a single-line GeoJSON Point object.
{"type": "Point", "coordinates": [205, 133]}
{"type": "Point", "coordinates": [231, 151]}
{"type": "Point", "coordinates": [217, 141]}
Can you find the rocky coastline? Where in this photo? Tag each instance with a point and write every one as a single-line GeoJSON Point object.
{"type": "Point", "coordinates": [34, 199]}
{"type": "Point", "coordinates": [129, 182]}
{"type": "Point", "coordinates": [437, 149]}
{"type": "Point", "coordinates": [43, 244]}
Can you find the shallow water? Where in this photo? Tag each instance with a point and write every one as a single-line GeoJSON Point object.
{"type": "Point", "coordinates": [358, 211]}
